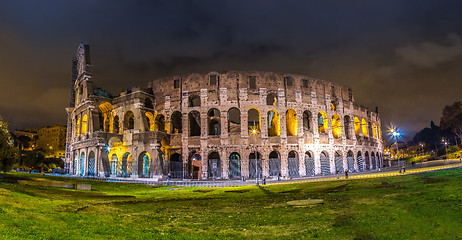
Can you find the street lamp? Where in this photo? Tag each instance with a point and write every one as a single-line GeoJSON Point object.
{"type": "Point", "coordinates": [396, 134]}
{"type": "Point", "coordinates": [446, 148]}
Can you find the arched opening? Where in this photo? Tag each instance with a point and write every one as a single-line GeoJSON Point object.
{"type": "Point", "coordinates": [336, 126]}
{"type": "Point", "coordinates": [77, 127]}
{"type": "Point", "coordinates": [379, 131]}
{"type": "Point", "coordinates": [309, 164]}
{"type": "Point", "coordinates": [357, 124]}
{"type": "Point", "coordinates": [214, 123]}
{"type": "Point", "coordinates": [291, 123]}
{"type": "Point", "coordinates": [116, 125]}
{"type": "Point", "coordinates": [364, 127]}
{"type": "Point", "coordinates": [144, 160]}
{"type": "Point", "coordinates": [338, 160]}
{"type": "Point", "coordinates": [234, 165]}
{"type": "Point", "coordinates": [160, 123]}
{"type": "Point", "coordinates": [148, 103]}
{"type": "Point", "coordinates": [194, 101]}
{"type": "Point", "coordinates": [82, 164]}
{"type": "Point", "coordinates": [129, 120]}
{"type": "Point", "coordinates": [214, 165]}
{"type": "Point", "coordinates": [346, 121]}
{"type": "Point", "coordinates": [105, 110]}
{"type": "Point", "coordinates": [126, 165]}
{"type": "Point", "coordinates": [84, 124]}
{"type": "Point", "coordinates": [367, 160]}
{"type": "Point", "coordinates": [274, 164]}
{"type": "Point", "coordinates": [374, 130]}
{"type": "Point", "coordinates": [271, 99]}
{"type": "Point", "coordinates": [292, 161]}
{"type": "Point", "coordinates": [373, 161]}
{"type": "Point", "coordinates": [379, 160]}
{"type": "Point", "coordinates": [306, 121]}
{"type": "Point", "coordinates": [234, 120]}
{"type": "Point", "coordinates": [194, 123]}
{"type": "Point", "coordinates": [114, 161]}
{"type": "Point", "coordinates": [323, 124]}
{"type": "Point", "coordinates": [150, 121]}
{"type": "Point", "coordinates": [175, 167]}
{"type": "Point", "coordinates": [325, 163]}
{"type": "Point", "coordinates": [360, 161]}
{"type": "Point", "coordinates": [274, 127]}
{"type": "Point", "coordinates": [91, 164]}
{"type": "Point", "coordinates": [350, 161]}
{"type": "Point", "coordinates": [254, 119]}
{"type": "Point", "coordinates": [177, 122]}
{"type": "Point", "coordinates": [195, 166]}
{"type": "Point", "coordinates": [255, 169]}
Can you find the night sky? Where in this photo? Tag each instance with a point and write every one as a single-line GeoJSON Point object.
{"type": "Point", "coordinates": [404, 57]}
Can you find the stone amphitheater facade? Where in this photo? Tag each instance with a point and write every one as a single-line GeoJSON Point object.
{"type": "Point", "coordinates": [219, 125]}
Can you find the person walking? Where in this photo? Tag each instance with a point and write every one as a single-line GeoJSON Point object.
{"type": "Point", "coordinates": [346, 174]}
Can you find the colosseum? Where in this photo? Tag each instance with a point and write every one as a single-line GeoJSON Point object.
{"type": "Point", "coordinates": [218, 125]}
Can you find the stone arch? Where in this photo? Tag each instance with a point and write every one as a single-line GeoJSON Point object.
{"type": "Point", "coordinates": [105, 110]}
{"type": "Point", "coordinates": [194, 123]}
{"type": "Point", "coordinates": [293, 164]}
{"type": "Point", "coordinates": [194, 101]}
{"type": "Point", "coordinates": [367, 160]}
{"type": "Point", "coordinates": [360, 161]}
{"type": "Point", "coordinates": [115, 128]}
{"type": "Point", "coordinates": [350, 161]}
{"type": "Point", "coordinates": [336, 126]}
{"type": "Point", "coordinates": [234, 165]}
{"type": "Point", "coordinates": [357, 124]}
{"type": "Point", "coordinates": [214, 122]}
{"type": "Point", "coordinates": [274, 126]}
{"type": "Point", "coordinates": [346, 120]}
{"type": "Point", "coordinates": [323, 124]}
{"type": "Point", "coordinates": [310, 169]}
{"type": "Point", "coordinates": [144, 162]}
{"type": "Point", "coordinates": [291, 122]}
{"type": "Point", "coordinates": [177, 122]}
{"type": "Point", "coordinates": [175, 168]}
{"type": "Point", "coordinates": [338, 161]}
{"type": "Point", "coordinates": [114, 163]}
{"type": "Point", "coordinates": [307, 120]}
{"type": "Point", "coordinates": [271, 99]}
{"type": "Point", "coordinates": [76, 163]}
{"type": "Point", "coordinates": [274, 163]}
{"type": "Point", "coordinates": [234, 120]}
{"type": "Point", "coordinates": [129, 120]}
{"type": "Point", "coordinates": [77, 127]}
{"type": "Point", "coordinates": [150, 121]}
{"type": "Point", "coordinates": [82, 164]}
{"type": "Point", "coordinates": [374, 130]}
{"type": "Point", "coordinates": [254, 119]}
{"type": "Point", "coordinates": [126, 165]}
{"type": "Point", "coordinates": [195, 163]}
{"type": "Point", "coordinates": [325, 163]}
{"type": "Point", "coordinates": [255, 166]}
{"type": "Point", "coordinates": [214, 165]}
{"type": "Point", "coordinates": [91, 164]}
{"type": "Point", "coordinates": [364, 127]}
{"type": "Point", "coordinates": [84, 124]}
{"type": "Point", "coordinates": [159, 123]}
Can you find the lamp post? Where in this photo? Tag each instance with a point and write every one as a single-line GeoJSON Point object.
{"type": "Point", "coordinates": [396, 134]}
{"type": "Point", "coordinates": [445, 148]}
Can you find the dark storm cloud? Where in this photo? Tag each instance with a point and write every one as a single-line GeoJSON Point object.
{"type": "Point", "coordinates": [402, 56]}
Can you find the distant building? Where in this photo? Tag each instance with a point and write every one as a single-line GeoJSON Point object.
{"type": "Point", "coordinates": [52, 140]}
{"type": "Point", "coordinates": [30, 142]}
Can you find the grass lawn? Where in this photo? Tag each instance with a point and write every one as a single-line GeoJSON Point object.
{"type": "Point", "coordinates": [424, 206]}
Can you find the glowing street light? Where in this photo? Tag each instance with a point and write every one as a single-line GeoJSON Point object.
{"type": "Point", "coordinates": [445, 142]}
{"type": "Point", "coordinates": [395, 134]}
{"type": "Point", "coordinates": [254, 132]}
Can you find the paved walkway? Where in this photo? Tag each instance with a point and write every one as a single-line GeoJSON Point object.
{"type": "Point", "coordinates": [385, 172]}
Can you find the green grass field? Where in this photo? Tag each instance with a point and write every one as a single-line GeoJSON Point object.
{"type": "Point", "coordinates": [424, 206]}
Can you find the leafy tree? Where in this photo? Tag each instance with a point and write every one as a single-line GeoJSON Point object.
{"type": "Point", "coordinates": [452, 118]}
{"type": "Point", "coordinates": [8, 153]}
